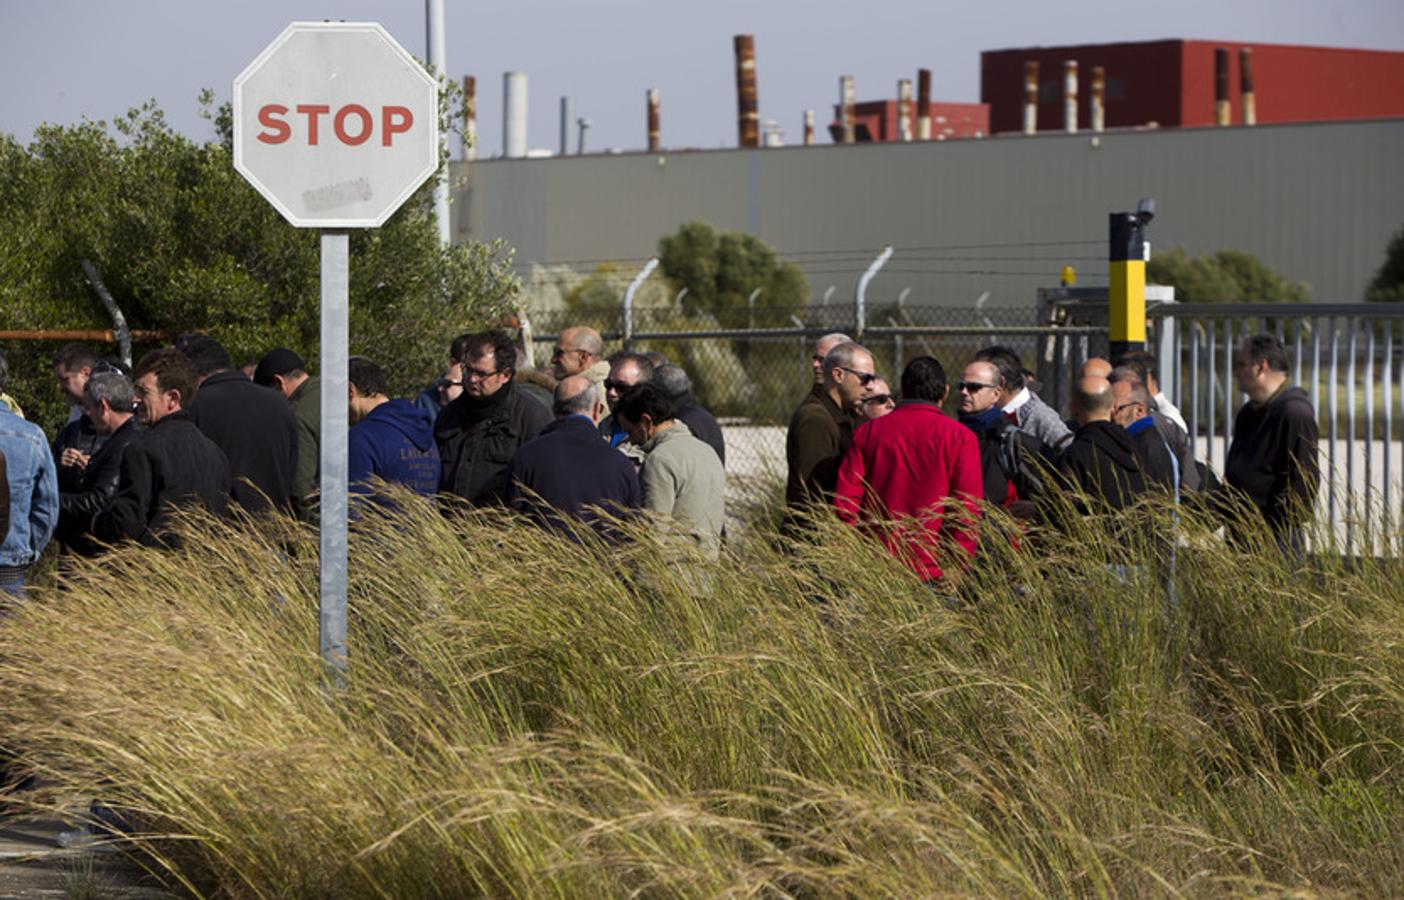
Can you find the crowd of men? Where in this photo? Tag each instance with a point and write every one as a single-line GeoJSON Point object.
{"type": "Point", "coordinates": [598, 439]}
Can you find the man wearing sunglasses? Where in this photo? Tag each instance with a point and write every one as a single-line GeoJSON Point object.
{"type": "Point", "coordinates": [1022, 406]}
{"type": "Point", "coordinates": [821, 429]}
{"type": "Point", "coordinates": [877, 401]}
{"type": "Point", "coordinates": [1006, 454]}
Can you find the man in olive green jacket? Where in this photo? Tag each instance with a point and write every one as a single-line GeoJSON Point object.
{"type": "Point", "coordinates": [284, 371]}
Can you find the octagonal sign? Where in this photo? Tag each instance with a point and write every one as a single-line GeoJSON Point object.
{"type": "Point", "coordinates": [335, 124]}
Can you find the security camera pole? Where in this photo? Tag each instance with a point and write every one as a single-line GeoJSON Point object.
{"type": "Point", "coordinates": [1127, 293]}
{"type": "Point", "coordinates": [336, 125]}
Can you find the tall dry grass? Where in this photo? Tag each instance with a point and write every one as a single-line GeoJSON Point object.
{"type": "Point", "coordinates": [533, 716]}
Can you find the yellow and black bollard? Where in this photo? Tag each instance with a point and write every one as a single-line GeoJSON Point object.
{"type": "Point", "coordinates": [1127, 292]}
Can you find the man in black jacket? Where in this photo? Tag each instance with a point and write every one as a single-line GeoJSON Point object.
{"type": "Point", "coordinates": [1273, 458]}
{"type": "Point", "coordinates": [677, 387]}
{"type": "Point", "coordinates": [568, 472]}
{"type": "Point", "coordinates": [78, 440]}
{"type": "Point", "coordinates": [107, 403]}
{"type": "Point", "coordinates": [479, 432]}
{"type": "Point", "coordinates": [1009, 458]}
{"type": "Point", "coordinates": [171, 465]}
{"type": "Point", "coordinates": [1101, 462]}
{"type": "Point", "coordinates": [1133, 410]}
{"type": "Point", "coordinates": [254, 426]}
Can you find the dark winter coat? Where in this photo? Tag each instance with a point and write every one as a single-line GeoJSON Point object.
{"type": "Point", "coordinates": [256, 429]}
{"type": "Point", "coordinates": [172, 464]}
{"type": "Point", "coordinates": [1273, 457]}
{"type": "Point", "coordinates": [97, 488]}
{"type": "Point", "coordinates": [307, 410]}
{"type": "Point", "coordinates": [567, 469]}
{"type": "Point", "coordinates": [1157, 457]}
{"type": "Point", "coordinates": [478, 437]}
{"type": "Point", "coordinates": [701, 423]}
{"type": "Point", "coordinates": [1103, 463]}
{"type": "Point", "coordinates": [818, 439]}
{"type": "Point", "coordinates": [80, 435]}
{"type": "Point", "coordinates": [394, 443]}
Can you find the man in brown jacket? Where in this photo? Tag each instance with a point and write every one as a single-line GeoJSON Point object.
{"type": "Point", "coordinates": [821, 428]}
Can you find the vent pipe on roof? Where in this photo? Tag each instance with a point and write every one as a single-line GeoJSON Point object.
{"type": "Point", "coordinates": [514, 115]}
{"type": "Point", "coordinates": [653, 133]}
{"type": "Point", "coordinates": [847, 109]}
{"type": "Point", "coordinates": [1222, 113]}
{"type": "Point", "coordinates": [1031, 96]}
{"type": "Point", "coordinates": [567, 123]}
{"type": "Point", "coordinates": [747, 103]}
{"type": "Point", "coordinates": [584, 126]}
{"type": "Point", "coordinates": [1070, 96]}
{"type": "Point", "coordinates": [1245, 86]}
{"type": "Point", "coordinates": [923, 109]}
{"type": "Point", "coordinates": [809, 127]}
{"type": "Point", "coordinates": [470, 117]}
{"type": "Point", "coordinates": [904, 108]}
{"type": "Point", "coordinates": [1099, 97]}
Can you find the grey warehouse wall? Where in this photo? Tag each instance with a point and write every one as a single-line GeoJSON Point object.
{"type": "Point", "coordinates": [1318, 202]}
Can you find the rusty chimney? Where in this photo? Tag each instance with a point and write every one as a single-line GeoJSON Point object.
{"type": "Point", "coordinates": [1099, 98]}
{"type": "Point", "coordinates": [1245, 86]}
{"type": "Point", "coordinates": [904, 108]}
{"type": "Point", "coordinates": [1223, 114]}
{"type": "Point", "coordinates": [653, 142]}
{"type": "Point", "coordinates": [923, 110]}
{"type": "Point", "coordinates": [470, 117]}
{"type": "Point", "coordinates": [1070, 96]}
{"type": "Point", "coordinates": [809, 127]}
{"type": "Point", "coordinates": [747, 105]}
{"type": "Point", "coordinates": [847, 108]}
{"type": "Point", "coordinates": [1031, 96]}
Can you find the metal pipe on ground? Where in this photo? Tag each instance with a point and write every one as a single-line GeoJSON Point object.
{"type": "Point", "coordinates": [1222, 112]}
{"type": "Point", "coordinates": [514, 115]}
{"type": "Point", "coordinates": [567, 122]}
{"type": "Point", "coordinates": [904, 108]}
{"type": "Point", "coordinates": [847, 109]}
{"type": "Point", "coordinates": [1245, 86]}
{"type": "Point", "coordinates": [1030, 96]}
{"type": "Point", "coordinates": [1099, 94]}
{"type": "Point", "coordinates": [809, 127]}
{"type": "Point", "coordinates": [747, 102]}
{"type": "Point", "coordinates": [923, 104]}
{"type": "Point", "coordinates": [653, 131]}
{"type": "Point", "coordinates": [1070, 96]}
{"type": "Point", "coordinates": [470, 117]}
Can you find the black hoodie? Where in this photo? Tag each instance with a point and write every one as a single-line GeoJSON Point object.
{"type": "Point", "coordinates": [1273, 457]}
{"type": "Point", "coordinates": [1103, 463]}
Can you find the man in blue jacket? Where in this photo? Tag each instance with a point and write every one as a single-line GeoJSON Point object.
{"type": "Point", "coordinates": [569, 472]}
{"type": "Point", "coordinates": [392, 440]}
{"type": "Point", "coordinates": [34, 497]}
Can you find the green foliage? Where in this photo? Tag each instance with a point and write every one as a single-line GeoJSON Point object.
{"type": "Point", "coordinates": [185, 244]}
{"type": "Point", "coordinates": [793, 719]}
{"type": "Point", "coordinates": [721, 270]}
{"type": "Point", "coordinates": [1229, 276]}
{"type": "Point", "coordinates": [1388, 283]}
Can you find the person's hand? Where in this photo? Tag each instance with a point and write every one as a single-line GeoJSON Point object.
{"type": "Point", "coordinates": [72, 456]}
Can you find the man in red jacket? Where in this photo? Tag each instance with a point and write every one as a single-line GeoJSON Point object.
{"type": "Point", "coordinates": [913, 476]}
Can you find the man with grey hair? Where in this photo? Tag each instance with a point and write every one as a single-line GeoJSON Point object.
{"type": "Point", "coordinates": [109, 400]}
{"type": "Point", "coordinates": [821, 350]}
{"type": "Point", "coordinates": [580, 351]}
{"type": "Point", "coordinates": [677, 387]}
{"type": "Point", "coordinates": [568, 473]}
{"type": "Point", "coordinates": [32, 479]}
{"type": "Point", "coordinates": [821, 429]}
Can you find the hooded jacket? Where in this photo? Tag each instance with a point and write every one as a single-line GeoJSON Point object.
{"type": "Point", "coordinates": [395, 443]}
{"type": "Point", "coordinates": [257, 430]}
{"type": "Point", "coordinates": [1273, 457]}
{"type": "Point", "coordinates": [477, 437]}
{"type": "Point", "coordinates": [1102, 462]}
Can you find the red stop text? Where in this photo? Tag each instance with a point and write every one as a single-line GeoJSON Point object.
{"type": "Point", "coordinates": [352, 124]}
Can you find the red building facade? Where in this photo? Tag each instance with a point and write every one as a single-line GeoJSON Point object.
{"type": "Point", "coordinates": [876, 120]}
{"type": "Point", "coordinates": [1171, 83]}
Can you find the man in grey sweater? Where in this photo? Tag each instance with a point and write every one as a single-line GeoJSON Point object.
{"type": "Point", "coordinates": [682, 478]}
{"type": "Point", "coordinates": [1022, 407]}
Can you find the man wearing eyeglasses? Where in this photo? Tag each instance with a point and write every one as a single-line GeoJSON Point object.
{"type": "Point", "coordinates": [479, 432]}
{"type": "Point", "coordinates": [821, 429]}
{"type": "Point", "coordinates": [580, 351]}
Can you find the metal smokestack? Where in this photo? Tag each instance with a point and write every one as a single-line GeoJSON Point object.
{"type": "Point", "coordinates": [809, 127]}
{"type": "Point", "coordinates": [514, 115]}
{"type": "Point", "coordinates": [470, 117]}
{"type": "Point", "coordinates": [584, 125]}
{"type": "Point", "coordinates": [847, 109]}
{"type": "Point", "coordinates": [1031, 96]}
{"type": "Point", "coordinates": [1223, 113]}
{"type": "Point", "coordinates": [904, 108]}
{"type": "Point", "coordinates": [653, 133]}
{"type": "Point", "coordinates": [923, 104]}
{"type": "Point", "coordinates": [1245, 86]}
{"type": "Point", "coordinates": [567, 123]}
{"type": "Point", "coordinates": [1099, 95]}
{"type": "Point", "coordinates": [1070, 96]}
{"type": "Point", "coordinates": [747, 104]}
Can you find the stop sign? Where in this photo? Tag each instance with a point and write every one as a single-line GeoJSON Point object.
{"type": "Point", "coordinates": [335, 124]}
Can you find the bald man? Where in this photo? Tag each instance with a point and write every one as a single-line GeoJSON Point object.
{"type": "Point", "coordinates": [1101, 463]}
{"type": "Point", "coordinates": [580, 351]}
{"type": "Point", "coordinates": [1096, 367]}
{"type": "Point", "coordinates": [568, 474]}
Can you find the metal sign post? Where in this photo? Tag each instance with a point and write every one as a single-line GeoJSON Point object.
{"type": "Point", "coordinates": [336, 125]}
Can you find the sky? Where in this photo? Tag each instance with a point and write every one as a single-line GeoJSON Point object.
{"type": "Point", "coordinates": [63, 60]}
